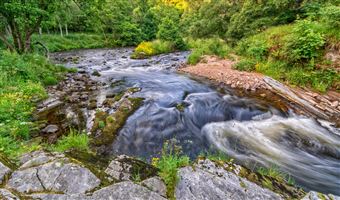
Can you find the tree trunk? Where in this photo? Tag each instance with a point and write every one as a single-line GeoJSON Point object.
{"type": "Point", "coordinates": [40, 31]}
{"type": "Point", "coordinates": [66, 29]}
{"type": "Point", "coordinates": [28, 44]}
{"type": "Point", "coordinates": [61, 30]}
{"type": "Point", "coordinates": [5, 41]}
{"type": "Point", "coordinates": [8, 30]}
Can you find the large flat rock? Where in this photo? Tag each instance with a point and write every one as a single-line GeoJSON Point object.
{"type": "Point", "coordinates": [120, 191]}
{"type": "Point", "coordinates": [49, 173]}
{"type": "Point", "coordinates": [215, 183]}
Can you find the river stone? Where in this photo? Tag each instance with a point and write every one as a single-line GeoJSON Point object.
{"type": "Point", "coordinates": [214, 184]}
{"type": "Point", "coordinates": [124, 168]}
{"type": "Point", "coordinates": [37, 158]}
{"type": "Point", "coordinates": [50, 129]}
{"type": "Point", "coordinates": [60, 175]}
{"type": "Point", "coordinates": [125, 190]}
{"type": "Point", "coordinates": [7, 195]}
{"type": "Point", "coordinates": [4, 170]}
{"type": "Point", "coordinates": [155, 184]}
{"type": "Point", "coordinates": [119, 170]}
{"type": "Point", "coordinates": [318, 196]}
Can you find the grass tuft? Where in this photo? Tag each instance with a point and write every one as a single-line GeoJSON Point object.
{"type": "Point", "coordinates": [74, 140]}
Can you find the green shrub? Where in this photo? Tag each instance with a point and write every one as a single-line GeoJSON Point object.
{"type": "Point", "coordinates": [168, 30]}
{"type": "Point", "coordinates": [168, 166]}
{"type": "Point", "coordinates": [21, 85]}
{"type": "Point", "coordinates": [255, 47]}
{"type": "Point", "coordinates": [74, 140]}
{"type": "Point", "coordinates": [130, 34]}
{"type": "Point", "coordinates": [212, 46]}
{"type": "Point", "coordinates": [162, 46]}
{"type": "Point", "coordinates": [305, 43]}
{"type": "Point", "coordinates": [245, 65]}
{"type": "Point", "coordinates": [330, 15]}
{"type": "Point", "coordinates": [49, 80]}
{"type": "Point", "coordinates": [146, 49]}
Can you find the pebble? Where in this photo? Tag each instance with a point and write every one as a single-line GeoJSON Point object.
{"type": "Point", "coordinates": [335, 104]}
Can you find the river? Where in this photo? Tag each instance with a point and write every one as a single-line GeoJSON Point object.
{"type": "Point", "coordinates": [199, 118]}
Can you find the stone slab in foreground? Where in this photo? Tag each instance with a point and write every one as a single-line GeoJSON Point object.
{"type": "Point", "coordinates": [214, 183]}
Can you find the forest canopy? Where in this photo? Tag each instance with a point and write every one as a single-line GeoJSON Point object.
{"type": "Point", "coordinates": [130, 22]}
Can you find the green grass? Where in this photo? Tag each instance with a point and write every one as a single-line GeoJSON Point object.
{"type": "Point", "coordinates": [55, 42]}
{"type": "Point", "coordinates": [74, 140]}
{"type": "Point", "coordinates": [245, 65]}
{"type": "Point", "coordinates": [216, 156]}
{"type": "Point", "coordinates": [22, 81]}
{"type": "Point", "coordinates": [168, 166]}
{"type": "Point", "coordinates": [275, 172]}
{"type": "Point", "coordinates": [211, 46]}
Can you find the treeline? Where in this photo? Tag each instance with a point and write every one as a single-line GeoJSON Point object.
{"type": "Point", "coordinates": [131, 21]}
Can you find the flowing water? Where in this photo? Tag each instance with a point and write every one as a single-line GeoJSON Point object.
{"type": "Point", "coordinates": [252, 132]}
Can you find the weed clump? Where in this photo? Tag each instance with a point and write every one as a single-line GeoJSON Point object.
{"type": "Point", "coordinates": [168, 165]}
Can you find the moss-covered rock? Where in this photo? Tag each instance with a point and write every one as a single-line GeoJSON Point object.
{"type": "Point", "coordinates": [107, 126]}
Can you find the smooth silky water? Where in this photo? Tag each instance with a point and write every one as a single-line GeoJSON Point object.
{"type": "Point", "coordinates": [253, 133]}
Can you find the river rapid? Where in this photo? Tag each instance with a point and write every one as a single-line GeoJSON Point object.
{"type": "Point", "coordinates": [198, 118]}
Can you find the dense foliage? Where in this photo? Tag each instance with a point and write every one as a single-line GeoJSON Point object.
{"type": "Point", "coordinates": [22, 81]}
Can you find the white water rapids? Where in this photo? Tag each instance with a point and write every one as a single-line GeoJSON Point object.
{"type": "Point", "coordinates": [299, 146]}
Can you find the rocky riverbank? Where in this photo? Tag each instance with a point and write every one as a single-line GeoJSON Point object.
{"type": "Point", "coordinates": [303, 101]}
{"type": "Point", "coordinates": [96, 100]}
{"type": "Point", "coordinates": [45, 175]}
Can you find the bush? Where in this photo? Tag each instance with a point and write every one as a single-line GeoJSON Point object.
{"type": "Point", "coordinates": [129, 34]}
{"type": "Point", "coordinates": [169, 31]}
{"type": "Point", "coordinates": [21, 84]}
{"type": "Point", "coordinates": [146, 49]}
{"type": "Point", "coordinates": [305, 42]}
{"type": "Point", "coordinates": [49, 80]}
{"type": "Point", "coordinates": [212, 46]}
{"type": "Point", "coordinates": [168, 166]}
{"type": "Point", "coordinates": [330, 15]}
{"type": "Point", "coordinates": [255, 47]}
{"type": "Point", "coordinates": [74, 140]}
{"type": "Point", "coordinates": [245, 65]}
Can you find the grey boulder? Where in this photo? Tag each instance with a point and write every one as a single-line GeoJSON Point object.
{"type": "Point", "coordinates": [121, 191]}
{"type": "Point", "coordinates": [155, 184]}
{"type": "Point", "coordinates": [217, 183]}
{"type": "Point", "coordinates": [59, 175]}
{"type": "Point", "coordinates": [318, 196]}
{"type": "Point", "coordinates": [4, 170]}
{"type": "Point", "coordinates": [125, 190]}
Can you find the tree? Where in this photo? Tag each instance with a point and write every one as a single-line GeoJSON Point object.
{"type": "Point", "coordinates": [169, 31]}
{"type": "Point", "coordinates": [22, 19]}
{"type": "Point", "coordinates": [146, 20]}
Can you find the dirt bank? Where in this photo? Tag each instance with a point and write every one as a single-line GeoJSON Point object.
{"type": "Point", "coordinates": [304, 101]}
